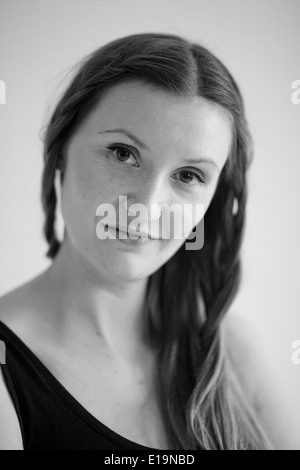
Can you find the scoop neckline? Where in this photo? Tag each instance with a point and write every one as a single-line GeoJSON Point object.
{"type": "Point", "coordinates": [69, 399]}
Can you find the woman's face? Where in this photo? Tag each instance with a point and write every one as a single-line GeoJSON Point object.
{"type": "Point", "coordinates": [151, 167]}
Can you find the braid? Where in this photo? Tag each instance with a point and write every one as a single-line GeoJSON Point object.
{"type": "Point", "coordinates": [49, 202]}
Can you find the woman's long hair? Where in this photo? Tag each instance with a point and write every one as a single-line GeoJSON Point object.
{"type": "Point", "coordinates": [201, 400]}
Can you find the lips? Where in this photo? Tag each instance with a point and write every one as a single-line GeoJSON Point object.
{"type": "Point", "coordinates": [139, 234]}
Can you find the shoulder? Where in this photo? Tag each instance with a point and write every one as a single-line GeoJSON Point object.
{"type": "Point", "coordinates": [261, 381]}
{"type": "Point", "coordinates": [21, 308]}
{"type": "Point", "coordinates": [10, 432]}
{"type": "Point", "coordinates": [243, 344]}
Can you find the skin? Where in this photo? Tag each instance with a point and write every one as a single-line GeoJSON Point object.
{"type": "Point", "coordinates": [83, 315]}
{"type": "Point", "coordinates": [105, 278]}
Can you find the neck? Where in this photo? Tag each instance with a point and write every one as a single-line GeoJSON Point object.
{"type": "Point", "coordinates": [89, 304]}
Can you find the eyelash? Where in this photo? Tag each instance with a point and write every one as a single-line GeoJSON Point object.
{"type": "Point", "coordinates": [199, 176]}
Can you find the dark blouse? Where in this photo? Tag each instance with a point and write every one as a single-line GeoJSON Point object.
{"type": "Point", "coordinates": [50, 417]}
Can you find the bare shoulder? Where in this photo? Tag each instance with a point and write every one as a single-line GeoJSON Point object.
{"type": "Point", "coordinates": [10, 431]}
{"type": "Point", "coordinates": [242, 341]}
{"type": "Point", "coordinates": [12, 313]}
{"type": "Point", "coordinates": [261, 381]}
{"type": "Point", "coordinates": [20, 308]}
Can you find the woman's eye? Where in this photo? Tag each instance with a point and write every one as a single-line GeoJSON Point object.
{"type": "Point", "coordinates": [190, 176]}
{"type": "Point", "coordinates": [121, 153]}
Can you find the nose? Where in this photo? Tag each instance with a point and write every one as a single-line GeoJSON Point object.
{"type": "Point", "coordinates": [150, 196]}
{"type": "Point", "coordinates": [155, 210]}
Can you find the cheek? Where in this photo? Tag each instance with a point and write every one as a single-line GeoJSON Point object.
{"type": "Point", "coordinates": [210, 195]}
{"type": "Point", "coordinates": [84, 189]}
{"type": "Point", "coordinates": [192, 215]}
{"type": "Point", "coordinates": [78, 192]}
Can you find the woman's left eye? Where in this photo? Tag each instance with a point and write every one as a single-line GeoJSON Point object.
{"type": "Point", "coordinates": [198, 176]}
{"type": "Point", "coordinates": [122, 153]}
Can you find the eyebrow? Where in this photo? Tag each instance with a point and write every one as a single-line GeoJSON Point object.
{"type": "Point", "coordinates": [131, 136]}
{"type": "Point", "coordinates": [141, 144]}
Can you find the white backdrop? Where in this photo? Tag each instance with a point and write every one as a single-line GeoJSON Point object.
{"type": "Point", "coordinates": [259, 40]}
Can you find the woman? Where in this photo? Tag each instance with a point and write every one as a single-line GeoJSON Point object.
{"type": "Point", "coordinates": [123, 344]}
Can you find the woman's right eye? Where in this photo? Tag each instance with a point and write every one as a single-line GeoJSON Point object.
{"type": "Point", "coordinates": [122, 154]}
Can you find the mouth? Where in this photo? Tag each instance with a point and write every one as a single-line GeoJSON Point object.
{"type": "Point", "coordinates": [140, 235]}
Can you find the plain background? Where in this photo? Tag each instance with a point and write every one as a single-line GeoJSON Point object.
{"type": "Point", "coordinates": [259, 41]}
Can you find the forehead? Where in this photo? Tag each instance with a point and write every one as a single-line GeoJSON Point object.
{"type": "Point", "coordinates": [162, 118]}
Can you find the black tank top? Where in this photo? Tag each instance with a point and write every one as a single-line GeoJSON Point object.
{"type": "Point", "coordinates": [50, 417]}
